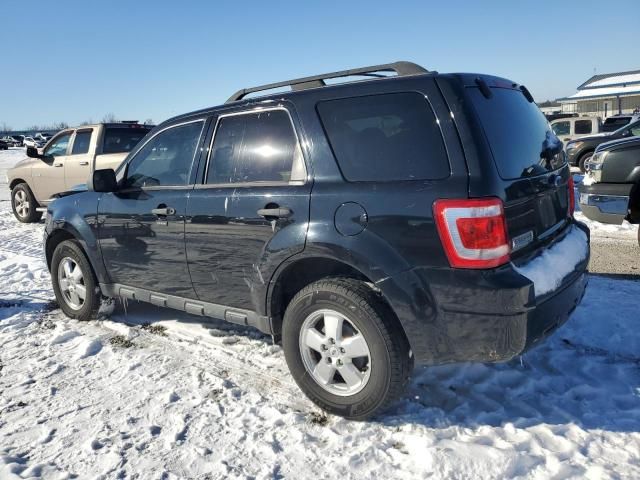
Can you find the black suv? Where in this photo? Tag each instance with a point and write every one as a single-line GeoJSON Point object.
{"type": "Point", "coordinates": [367, 225]}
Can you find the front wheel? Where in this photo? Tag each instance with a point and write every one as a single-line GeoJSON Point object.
{"type": "Point", "coordinates": [24, 204]}
{"type": "Point", "coordinates": [345, 348]}
{"type": "Point", "coordinates": [74, 282]}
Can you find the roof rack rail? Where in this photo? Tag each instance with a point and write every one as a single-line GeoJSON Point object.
{"type": "Point", "coordinates": [401, 69]}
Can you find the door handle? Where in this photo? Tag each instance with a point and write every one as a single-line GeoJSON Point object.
{"type": "Point", "coordinates": [163, 212]}
{"type": "Point", "coordinates": [83, 163]}
{"type": "Point", "coordinates": [57, 164]}
{"type": "Point", "coordinates": [279, 212]}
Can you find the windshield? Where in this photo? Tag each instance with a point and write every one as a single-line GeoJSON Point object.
{"type": "Point", "coordinates": [521, 141]}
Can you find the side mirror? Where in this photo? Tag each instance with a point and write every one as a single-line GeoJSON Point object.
{"type": "Point", "coordinates": [32, 152]}
{"type": "Point", "coordinates": [103, 180]}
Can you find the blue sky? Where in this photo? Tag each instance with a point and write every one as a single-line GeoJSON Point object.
{"type": "Point", "coordinates": [73, 61]}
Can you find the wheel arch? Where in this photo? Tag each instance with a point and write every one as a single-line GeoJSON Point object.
{"type": "Point", "coordinates": [300, 272]}
{"type": "Point", "coordinates": [16, 181]}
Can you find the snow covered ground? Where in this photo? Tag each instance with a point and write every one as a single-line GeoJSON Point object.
{"type": "Point", "coordinates": [153, 393]}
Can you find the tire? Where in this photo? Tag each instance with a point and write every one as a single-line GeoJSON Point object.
{"type": "Point", "coordinates": [584, 159]}
{"type": "Point", "coordinates": [382, 375]}
{"type": "Point", "coordinates": [69, 283]}
{"type": "Point", "coordinates": [24, 204]}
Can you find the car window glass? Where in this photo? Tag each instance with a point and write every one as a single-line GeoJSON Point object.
{"type": "Point", "coordinates": [391, 137]}
{"type": "Point", "coordinates": [166, 159]}
{"type": "Point", "coordinates": [635, 130]}
{"type": "Point", "coordinates": [122, 139]}
{"type": "Point", "coordinates": [582, 126]}
{"type": "Point", "coordinates": [81, 143]}
{"type": "Point", "coordinates": [561, 128]}
{"type": "Point", "coordinates": [255, 147]}
{"type": "Point", "coordinates": [59, 146]}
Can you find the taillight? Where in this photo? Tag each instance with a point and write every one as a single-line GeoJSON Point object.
{"type": "Point", "coordinates": [572, 196]}
{"type": "Point", "coordinates": [473, 232]}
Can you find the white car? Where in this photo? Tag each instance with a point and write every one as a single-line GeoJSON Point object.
{"type": "Point", "coordinates": [30, 142]}
{"type": "Point", "coordinates": [567, 129]}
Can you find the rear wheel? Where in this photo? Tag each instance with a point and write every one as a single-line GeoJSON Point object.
{"type": "Point", "coordinates": [345, 348]}
{"type": "Point", "coordinates": [24, 204]}
{"type": "Point", "coordinates": [583, 160]}
{"type": "Point", "coordinates": [74, 282]}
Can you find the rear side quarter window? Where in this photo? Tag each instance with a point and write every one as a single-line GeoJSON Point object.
{"type": "Point", "coordinates": [386, 137]}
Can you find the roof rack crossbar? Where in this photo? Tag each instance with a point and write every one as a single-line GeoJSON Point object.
{"type": "Point", "coordinates": [315, 81]}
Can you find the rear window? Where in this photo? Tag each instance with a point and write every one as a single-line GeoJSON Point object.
{"type": "Point", "coordinates": [517, 132]}
{"type": "Point", "coordinates": [612, 124]}
{"type": "Point", "coordinates": [121, 140]}
{"type": "Point", "coordinates": [391, 137]}
{"type": "Point", "coordinates": [583, 126]}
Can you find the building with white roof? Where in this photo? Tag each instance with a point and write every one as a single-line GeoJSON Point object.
{"type": "Point", "coordinates": [605, 95]}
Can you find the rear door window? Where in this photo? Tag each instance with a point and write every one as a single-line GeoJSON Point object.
{"type": "Point", "coordinates": [81, 142]}
{"type": "Point", "coordinates": [255, 147]}
{"type": "Point", "coordinates": [583, 127]}
{"type": "Point", "coordinates": [517, 131]}
{"type": "Point", "coordinates": [390, 137]}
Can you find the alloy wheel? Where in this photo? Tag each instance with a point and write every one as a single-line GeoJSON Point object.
{"type": "Point", "coordinates": [335, 354]}
{"type": "Point", "coordinates": [21, 203]}
{"type": "Point", "coordinates": [71, 282]}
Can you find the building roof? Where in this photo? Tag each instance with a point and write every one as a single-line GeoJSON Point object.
{"type": "Point", "coordinates": [611, 79]}
{"type": "Point", "coordinates": [607, 85]}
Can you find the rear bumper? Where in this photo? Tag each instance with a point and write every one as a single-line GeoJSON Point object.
{"type": "Point", "coordinates": [483, 316]}
{"type": "Point", "coordinates": [605, 202]}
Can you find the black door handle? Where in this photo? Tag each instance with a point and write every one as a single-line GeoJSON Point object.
{"type": "Point", "coordinates": [279, 212]}
{"type": "Point", "coordinates": [163, 212]}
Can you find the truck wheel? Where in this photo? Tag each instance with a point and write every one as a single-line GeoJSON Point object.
{"type": "Point", "coordinates": [345, 348]}
{"type": "Point", "coordinates": [74, 282]}
{"type": "Point", "coordinates": [24, 204]}
{"type": "Point", "coordinates": [583, 160]}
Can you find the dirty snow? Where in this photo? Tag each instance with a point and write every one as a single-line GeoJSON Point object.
{"type": "Point", "coordinates": [153, 393]}
{"type": "Point", "coordinates": [547, 271]}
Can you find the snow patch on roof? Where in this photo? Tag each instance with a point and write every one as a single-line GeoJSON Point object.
{"type": "Point", "coordinates": [604, 92]}
{"type": "Point", "coordinates": [615, 80]}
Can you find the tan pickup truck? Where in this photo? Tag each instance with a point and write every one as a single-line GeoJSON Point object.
{"type": "Point", "coordinates": [66, 161]}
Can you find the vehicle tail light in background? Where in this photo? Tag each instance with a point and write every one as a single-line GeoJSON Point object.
{"type": "Point", "coordinates": [572, 196]}
{"type": "Point", "coordinates": [473, 232]}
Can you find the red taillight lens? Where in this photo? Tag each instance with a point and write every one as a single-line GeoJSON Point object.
{"type": "Point", "coordinates": [473, 232]}
{"type": "Point", "coordinates": [572, 196]}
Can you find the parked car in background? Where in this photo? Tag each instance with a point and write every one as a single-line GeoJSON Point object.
{"type": "Point", "coordinates": [10, 141]}
{"type": "Point", "coordinates": [579, 151]}
{"type": "Point", "coordinates": [43, 137]}
{"type": "Point", "coordinates": [554, 116]}
{"type": "Point", "coordinates": [19, 140]}
{"type": "Point", "coordinates": [369, 224]}
{"type": "Point", "coordinates": [33, 142]}
{"type": "Point", "coordinates": [68, 160]}
{"type": "Point", "coordinates": [4, 145]}
{"type": "Point", "coordinates": [616, 122]}
{"type": "Point", "coordinates": [610, 192]}
{"type": "Point", "coordinates": [568, 129]}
